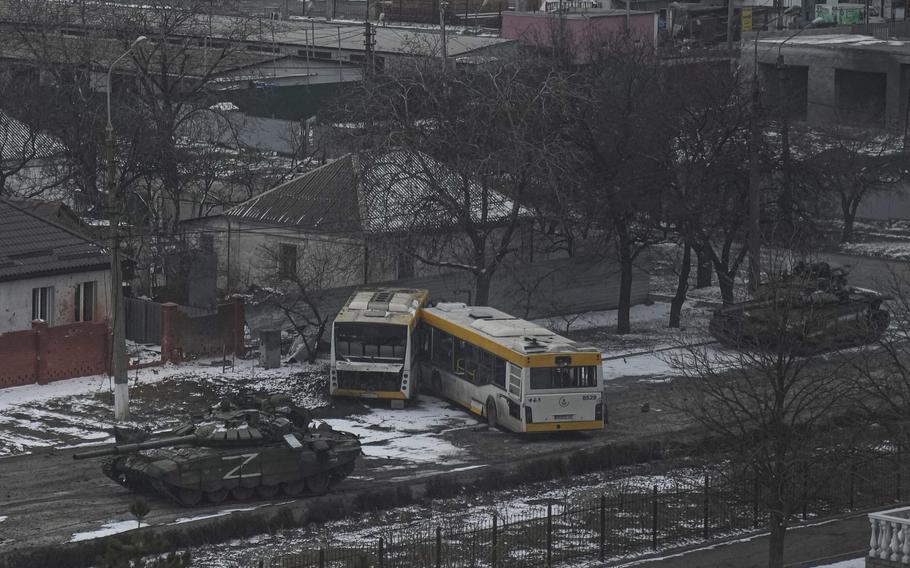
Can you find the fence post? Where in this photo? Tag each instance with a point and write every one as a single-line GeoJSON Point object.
{"type": "Point", "coordinates": [654, 520]}
{"type": "Point", "coordinates": [381, 552]}
{"type": "Point", "coordinates": [805, 489]}
{"type": "Point", "coordinates": [899, 465]}
{"type": "Point", "coordinates": [852, 474]}
{"type": "Point", "coordinates": [494, 564]}
{"type": "Point", "coordinates": [603, 524]}
{"type": "Point", "coordinates": [549, 535]}
{"type": "Point", "coordinates": [706, 522]}
{"type": "Point", "coordinates": [755, 489]}
{"type": "Point", "coordinates": [322, 557]}
{"type": "Point", "coordinates": [438, 547]}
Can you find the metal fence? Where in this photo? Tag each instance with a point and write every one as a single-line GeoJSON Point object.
{"type": "Point", "coordinates": [620, 522]}
{"type": "Point", "coordinates": [143, 319]}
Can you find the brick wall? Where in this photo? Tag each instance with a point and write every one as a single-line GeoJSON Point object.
{"type": "Point", "coordinates": [184, 335]}
{"type": "Point", "coordinates": [43, 354]}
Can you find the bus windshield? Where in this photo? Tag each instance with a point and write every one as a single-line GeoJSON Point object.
{"type": "Point", "coordinates": [544, 378]}
{"type": "Point", "coordinates": [375, 342]}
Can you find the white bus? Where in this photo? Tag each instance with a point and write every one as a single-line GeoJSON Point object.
{"type": "Point", "coordinates": [518, 375]}
{"type": "Point", "coordinates": [372, 352]}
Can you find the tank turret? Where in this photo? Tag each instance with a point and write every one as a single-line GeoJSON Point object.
{"type": "Point", "coordinates": [811, 310]}
{"type": "Point", "coordinates": [232, 453]}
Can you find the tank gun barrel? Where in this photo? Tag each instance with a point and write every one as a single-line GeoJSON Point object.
{"type": "Point", "coordinates": [120, 449]}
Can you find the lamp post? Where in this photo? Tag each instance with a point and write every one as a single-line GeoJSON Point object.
{"type": "Point", "coordinates": [118, 347]}
{"type": "Point", "coordinates": [786, 198]}
{"type": "Point", "coordinates": [754, 234]}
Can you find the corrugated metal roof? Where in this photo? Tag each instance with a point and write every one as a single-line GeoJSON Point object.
{"type": "Point", "coordinates": [18, 141]}
{"type": "Point", "coordinates": [31, 246]}
{"type": "Point", "coordinates": [323, 200]}
{"type": "Point", "coordinates": [383, 192]}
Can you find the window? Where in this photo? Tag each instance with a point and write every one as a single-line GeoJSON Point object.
{"type": "Point", "coordinates": [376, 342]}
{"type": "Point", "coordinates": [514, 380]}
{"type": "Point", "coordinates": [85, 301]}
{"type": "Point", "coordinates": [443, 344]}
{"type": "Point", "coordinates": [543, 378]}
{"type": "Point", "coordinates": [287, 261]}
{"type": "Point", "coordinates": [43, 304]}
{"type": "Point", "coordinates": [499, 372]}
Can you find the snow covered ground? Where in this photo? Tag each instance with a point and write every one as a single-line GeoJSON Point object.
{"type": "Point", "coordinates": [78, 411]}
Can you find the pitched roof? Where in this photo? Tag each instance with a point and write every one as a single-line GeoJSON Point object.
{"type": "Point", "coordinates": [31, 246]}
{"type": "Point", "coordinates": [323, 200]}
{"type": "Point", "coordinates": [18, 141]}
{"type": "Point", "coordinates": [384, 192]}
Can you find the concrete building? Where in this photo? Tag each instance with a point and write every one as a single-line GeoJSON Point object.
{"type": "Point", "coordinates": [835, 78]}
{"type": "Point", "coordinates": [48, 272]}
{"type": "Point", "coordinates": [578, 29]}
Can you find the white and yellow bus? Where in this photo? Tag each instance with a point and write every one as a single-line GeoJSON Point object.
{"type": "Point", "coordinates": [372, 345]}
{"type": "Point", "coordinates": [518, 375]}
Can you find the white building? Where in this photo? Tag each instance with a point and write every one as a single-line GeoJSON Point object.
{"type": "Point", "coordinates": [48, 272]}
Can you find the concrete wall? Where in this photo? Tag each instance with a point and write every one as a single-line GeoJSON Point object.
{"type": "Point", "coordinates": [545, 288]}
{"type": "Point", "coordinates": [16, 298]}
{"type": "Point", "coordinates": [542, 30]}
{"type": "Point", "coordinates": [833, 83]}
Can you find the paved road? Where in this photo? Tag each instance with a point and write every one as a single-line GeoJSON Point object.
{"type": "Point", "coordinates": [867, 272]}
{"type": "Point", "coordinates": [812, 545]}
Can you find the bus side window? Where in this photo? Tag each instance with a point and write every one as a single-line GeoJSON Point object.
{"type": "Point", "coordinates": [515, 380]}
{"type": "Point", "coordinates": [484, 367]}
{"type": "Point", "coordinates": [499, 372]}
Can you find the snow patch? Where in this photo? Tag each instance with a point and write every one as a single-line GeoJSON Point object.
{"type": "Point", "coordinates": [181, 520]}
{"type": "Point", "coordinates": [112, 527]}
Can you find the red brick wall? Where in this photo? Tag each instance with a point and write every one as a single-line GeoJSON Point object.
{"type": "Point", "coordinates": [45, 354]}
{"type": "Point", "coordinates": [184, 336]}
{"type": "Point", "coordinates": [76, 350]}
{"type": "Point", "coordinates": [17, 352]}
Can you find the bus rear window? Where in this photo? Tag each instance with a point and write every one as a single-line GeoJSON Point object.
{"type": "Point", "coordinates": [544, 378]}
{"type": "Point", "coordinates": [370, 341]}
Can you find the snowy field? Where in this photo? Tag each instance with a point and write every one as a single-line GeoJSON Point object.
{"type": "Point", "coordinates": [74, 412]}
{"type": "Point", "coordinates": [454, 513]}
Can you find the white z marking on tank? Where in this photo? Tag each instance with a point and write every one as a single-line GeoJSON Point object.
{"type": "Point", "coordinates": [237, 472]}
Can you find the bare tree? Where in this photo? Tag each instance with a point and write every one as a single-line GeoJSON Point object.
{"type": "Point", "coordinates": [470, 138]}
{"type": "Point", "coordinates": [850, 164]}
{"type": "Point", "coordinates": [614, 140]}
{"type": "Point", "coordinates": [769, 406]}
{"type": "Point", "coordinates": [303, 270]}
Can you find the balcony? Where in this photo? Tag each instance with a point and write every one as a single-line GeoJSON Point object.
{"type": "Point", "coordinates": [889, 543]}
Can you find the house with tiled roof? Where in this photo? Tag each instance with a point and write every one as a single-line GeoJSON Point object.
{"type": "Point", "coordinates": [358, 208]}
{"type": "Point", "coordinates": [48, 272]}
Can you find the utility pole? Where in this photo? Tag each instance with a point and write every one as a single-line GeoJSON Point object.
{"type": "Point", "coordinates": [442, 25]}
{"type": "Point", "coordinates": [118, 339]}
{"type": "Point", "coordinates": [118, 351]}
{"type": "Point", "coordinates": [786, 197]}
{"type": "Point", "coordinates": [754, 240]}
{"type": "Point", "coordinates": [369, 43]}
{"type": "Point", "coordinates": [731, 13]}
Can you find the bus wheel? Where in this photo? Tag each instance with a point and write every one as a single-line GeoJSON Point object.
{"type": "Point", "coordinates": [492, 417]}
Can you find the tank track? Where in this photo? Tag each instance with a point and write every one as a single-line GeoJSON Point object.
{"type": "Point", "coordinates": [728, 330]}
{"type": "Point", "coordinates": [140, 482]}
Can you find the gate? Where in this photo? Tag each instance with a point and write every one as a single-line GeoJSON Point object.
{"type": "Point", "coordinates": [143, 320]}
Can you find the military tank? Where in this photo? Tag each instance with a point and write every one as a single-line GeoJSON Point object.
{"type": "Point", "coordinates": [811, 310]}
{"type": "Point", "coordinates": [233, 453]}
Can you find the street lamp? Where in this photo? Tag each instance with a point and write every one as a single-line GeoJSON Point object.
{"type": "Point", "coordinates": [754, 236]}
{"type": "Point", "coordinates": [118, 347]}
{"type": "Point", "coordinates": [786, 199]}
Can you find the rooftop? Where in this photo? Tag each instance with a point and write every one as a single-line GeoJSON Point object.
{"type": "Point", "coordinates": [505, 330]}
{"type": "Point", "coordinates": [31, 246]}
{"type": "Point", "coordinates": [380, 193]}
{"type": "Point", "coordinates": [383, 305]}
{"type": "Point", "coordinates": [839, 41]}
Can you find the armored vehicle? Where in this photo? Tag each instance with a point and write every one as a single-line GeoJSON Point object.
{"type": "Point", "coordinates": [810, 310]}
{"type": "Point", "coordinates": [235, 453]}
